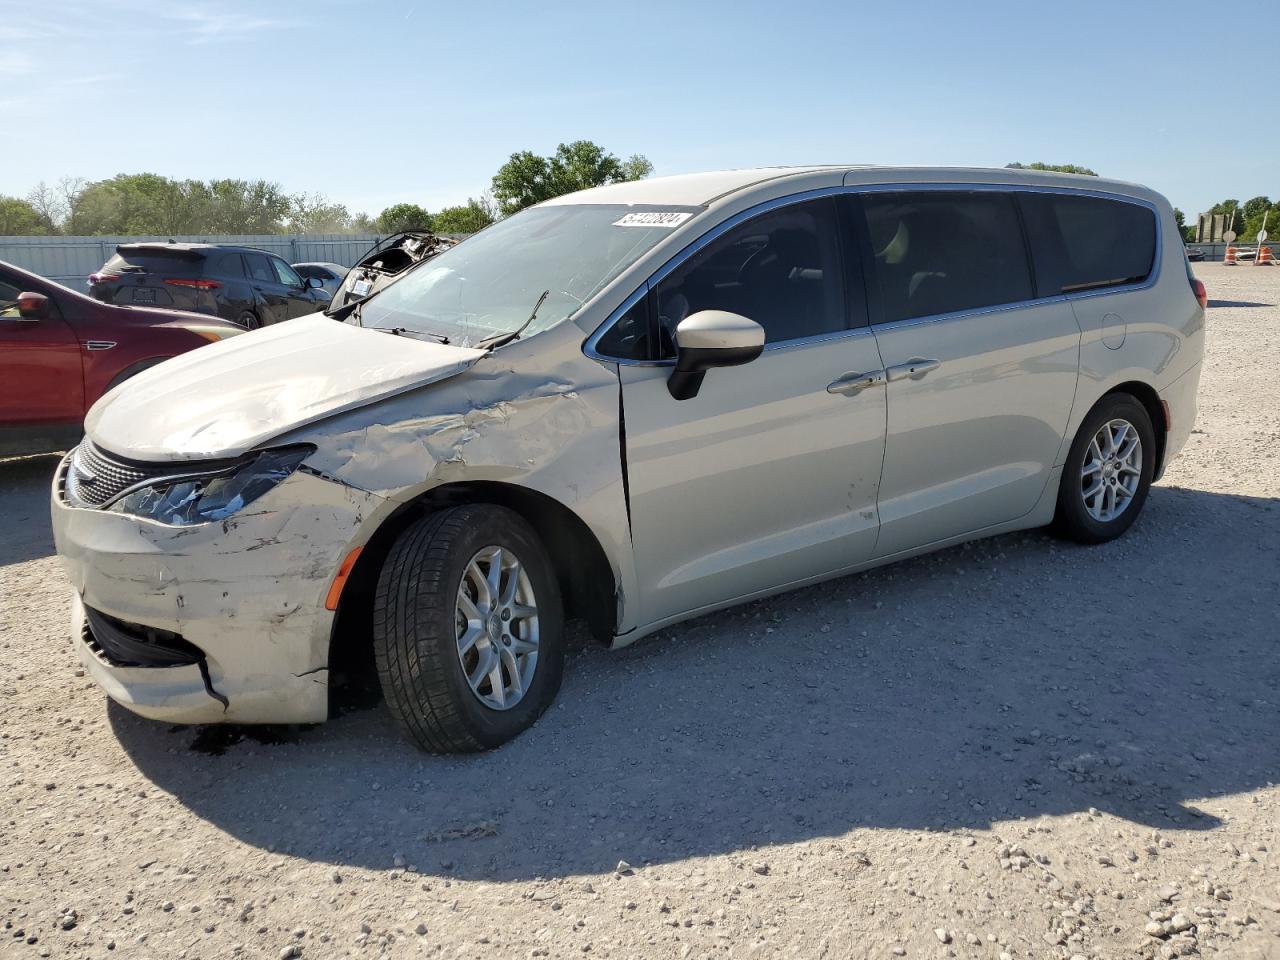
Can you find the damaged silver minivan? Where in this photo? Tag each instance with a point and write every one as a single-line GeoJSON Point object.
{"type": "Point", "coordinates": [631, 405]}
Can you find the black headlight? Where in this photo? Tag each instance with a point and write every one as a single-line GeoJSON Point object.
{"type": "Point", "coordinates": [186, 501]}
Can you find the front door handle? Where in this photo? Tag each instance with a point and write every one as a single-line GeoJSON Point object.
{"type": "Point", "coordinates": [852, 383]}
{"type": "Point", "coordinates": [913, 369]}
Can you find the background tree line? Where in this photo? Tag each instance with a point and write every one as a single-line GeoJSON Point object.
{"type": "Point", "coordinates": [147, 203]}
{"type": "Point", "coordinates": [1249, 217]}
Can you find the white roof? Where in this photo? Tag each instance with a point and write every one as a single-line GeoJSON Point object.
{"type": "Point", "coordinates": [700, 189]}
{"type": "Point", "coordinates": [687, 189]}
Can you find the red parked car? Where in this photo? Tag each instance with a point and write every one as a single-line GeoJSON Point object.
{"type": "Point", "coordinates": [60, 351]}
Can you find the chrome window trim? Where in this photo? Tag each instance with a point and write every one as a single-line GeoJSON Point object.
{"type": "Point", "coordinates": [797, 342]}
{"type": "Point", "coordinates": [692, 249]}
{"type": "Point", "coordinates": [974, 312]}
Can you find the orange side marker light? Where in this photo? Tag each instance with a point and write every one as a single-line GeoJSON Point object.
{"type": "Point", "coordinates": [340, 579]}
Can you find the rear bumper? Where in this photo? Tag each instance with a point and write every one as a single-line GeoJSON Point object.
{"type": "Point", "coordinates": [1180, 396]}
{"type": "Point", "coordinates": [248, 593]}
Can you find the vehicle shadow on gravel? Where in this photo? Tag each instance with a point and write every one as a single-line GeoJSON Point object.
{"type": "Point", "coordinates": [1009, 678]}
{"type": "Point", "coordinates": [24, 502]}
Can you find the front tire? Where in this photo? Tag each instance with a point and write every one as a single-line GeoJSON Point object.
{"type": "Point", "coordinates": [1108, 471]}
{"type": "Point", "coordinates": [249, 320]}
{"type": "Point", "coordinates": [468, 629]}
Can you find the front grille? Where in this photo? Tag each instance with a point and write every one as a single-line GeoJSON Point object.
{"type": "Point", "coordinates": [93, 478]}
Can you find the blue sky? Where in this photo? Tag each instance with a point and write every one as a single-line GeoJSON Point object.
{"type": "Point", "coordinates": [377, 102]}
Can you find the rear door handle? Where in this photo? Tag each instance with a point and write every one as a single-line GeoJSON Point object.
{"type": "Point", "coordinates": [852, 383]}
{"type": "Point", "coordinates": [913, 369]}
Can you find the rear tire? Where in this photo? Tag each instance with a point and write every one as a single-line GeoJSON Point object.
{"type": "Point", "coordinates": [249, 320]}
{"type": "Point", "coordinates": [1108, 471]}
{"type": "Point", "coordinates": [437, 626]}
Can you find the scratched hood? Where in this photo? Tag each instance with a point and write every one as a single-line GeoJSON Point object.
{"type": "Point", "coordinates": [232, 396]}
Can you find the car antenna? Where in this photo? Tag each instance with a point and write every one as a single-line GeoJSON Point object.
{"type": "Point", "coordinates": [492, 343]}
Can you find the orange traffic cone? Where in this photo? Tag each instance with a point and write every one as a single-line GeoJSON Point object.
{"type": "Point", "coordinates": [1264, 257]}
{"type": "Point", "coordinates": [1229, 259]}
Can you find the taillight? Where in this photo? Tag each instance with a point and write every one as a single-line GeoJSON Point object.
{"type": "Point", "coordinates": [103, 277]}
{"type": "Point", "coordinates": [198, 284]}
{"type": "Point", "coordinates": [1202, 295]}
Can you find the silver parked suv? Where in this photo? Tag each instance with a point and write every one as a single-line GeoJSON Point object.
{"type": "Point", "coordinates": [630, 405]}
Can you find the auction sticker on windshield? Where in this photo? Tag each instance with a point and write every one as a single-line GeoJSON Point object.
{"type": "Point", "coordinates": [653, 218]}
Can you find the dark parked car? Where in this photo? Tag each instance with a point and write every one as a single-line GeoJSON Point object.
{"type": "Point", "coordinates": [1195, 254]}
{"type": "Point", "coordinates": [248, 286]}
{"type": "Point", "coordinates": [61, 351]}
{"type": "Point", "coordinates": [330, 275]}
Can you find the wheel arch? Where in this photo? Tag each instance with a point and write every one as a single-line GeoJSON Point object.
{"type": "Point", "coordinates": [133, 369]}
{"type": "Point", "coordinates": [587, 580]}
{"type": "Point", "coordinates": [1146, 395]}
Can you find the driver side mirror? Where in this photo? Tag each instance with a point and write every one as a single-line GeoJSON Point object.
{"type": "Point", "coordinates": [711, 338]}
{"type": "Point", "coordinates": [32, 306]}
{"type": "Point", "coordinates": [313, 283]}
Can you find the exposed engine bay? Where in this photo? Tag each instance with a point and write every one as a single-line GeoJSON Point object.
{"type": "Point", "coordinates": [385, 262]}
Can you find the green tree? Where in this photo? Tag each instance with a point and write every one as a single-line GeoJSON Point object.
{"type": "Point", "coordinates": [1253, 215]}
{"type": "Point", "coordinates": [522, 181]}
{"type": "Point", "coordinates": [403, 216]}
{"type": "Point", "coordinates": [247, 207]}
{"type": "Point", "coordinates": [1180, 219]}
{"type": "Point", "coordinates": [147, 203]}
{"type": "Point", "coordinates": [1053, 168]}
{"type": "Point", "coordinates": [1255, 207]}
{"type": "Point", "coordinates": [472, 217]}
{"type": "Point", "coordinates": [18, 218]}
{"type": "Point", "coordinates": [137, 203]}
{"type": "Point", "coordinates": [313, 213]}
{"type": "Point", "coordinates": [1268, 217]}
{"type": "Point", "coordinates": [526, 178]}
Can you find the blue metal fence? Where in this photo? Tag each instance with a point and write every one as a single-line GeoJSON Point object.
{"type": "Point", "coordinates": [70, 260]}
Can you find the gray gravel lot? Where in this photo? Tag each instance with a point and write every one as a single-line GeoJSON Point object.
{"type": "Point", "coordinates": [1016, 748]}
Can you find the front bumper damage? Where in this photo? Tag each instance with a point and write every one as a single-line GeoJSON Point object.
{"type": "Point", "coordinates": [219, 622]}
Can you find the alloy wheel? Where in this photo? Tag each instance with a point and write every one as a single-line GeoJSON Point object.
{"type": "Point", "coordinates": [1112, 470]}
{"type": "Point", "coordinates": [496, 622]}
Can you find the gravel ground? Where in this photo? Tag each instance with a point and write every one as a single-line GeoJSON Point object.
{"type": "Point", "coordinates": [1016, 748]}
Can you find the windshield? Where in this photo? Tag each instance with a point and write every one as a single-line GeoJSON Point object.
{"type": "Point", "coordinates": [489, 284]}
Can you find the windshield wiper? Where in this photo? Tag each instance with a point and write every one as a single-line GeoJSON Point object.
{"type": "Point", "coordinates": [352, 310]}
{"type": "Point", "coordinates": [492, 343]}
{"type": "Point", "coordinates": [416, 334]}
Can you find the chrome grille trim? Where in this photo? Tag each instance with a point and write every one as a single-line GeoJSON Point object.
{"type": "Point", "coordinates": [113, 478]}
{"type": "Point", "coordinates": [93, 479]}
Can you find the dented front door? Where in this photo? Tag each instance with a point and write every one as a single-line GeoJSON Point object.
{"type": "Point", "coordinates": [766, 478]}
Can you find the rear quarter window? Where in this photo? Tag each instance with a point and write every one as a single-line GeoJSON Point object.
{"type": "Point", "coordinates": [1088, 243]}
{"type": "Point", "coordinates": [226, 265]}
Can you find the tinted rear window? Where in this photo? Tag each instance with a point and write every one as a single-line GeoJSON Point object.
{"type": "Point", "coordinates": [158, 261]}
{"type": "Point", "coordinates": [1087, 243]}
{"type": "Point", "coordinates": [226, 265]}
{"type": "Point", "coordinates": [946, 251]}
